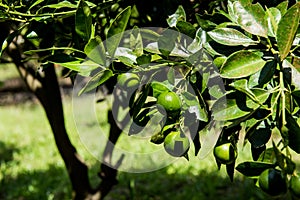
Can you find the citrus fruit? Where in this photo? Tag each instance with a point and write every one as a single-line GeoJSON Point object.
{"type": "Point", "coordinates": [272, 182]}
{"type": "Point", "coordinates": [176, 144]}
{"type": "Point", "coordinates": [171, 103]}
{"type": "Point", "coordinates": [295, 185]}
{"type": "Point", "coordinates": [128, 80]}
{"type": "Point", "coordinates": [225, 153]}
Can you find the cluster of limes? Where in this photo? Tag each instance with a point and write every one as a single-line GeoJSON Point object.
{"type": "Point", "coordinates": [175, 142]}
{"type": "Point", "coordinates": [274, 182]}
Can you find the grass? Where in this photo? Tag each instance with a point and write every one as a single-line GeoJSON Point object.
{"type": "Point", "coordinates": [32, 169]}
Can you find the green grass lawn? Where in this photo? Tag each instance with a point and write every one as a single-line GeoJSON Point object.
{"type": "Point", "coordinates": [31, 168]}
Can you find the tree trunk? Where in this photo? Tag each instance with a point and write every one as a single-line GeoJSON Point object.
{"type": "Point", "coordinates": [44, 85]}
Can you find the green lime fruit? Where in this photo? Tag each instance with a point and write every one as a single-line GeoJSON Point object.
{"type": "Point", "coordinates": [128, 80]}
{"type": "Point", "coordinates": [295, 185]}
{"type": "Point", "coordinates": [272, 182]}
{"type": "Point", "coordinates": [225, 153]}
{"type": "Point", "coordinates": [171, 103]}
{"type": "Point", "coordinates": [176, 144]}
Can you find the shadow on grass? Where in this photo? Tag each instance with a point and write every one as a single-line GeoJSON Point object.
{"type": "Point", "coordinates": [51, 183]}
{"type": "Point", "coordinates": [162, 185]}
{"type": "Point", "coordinates": [6, 152]}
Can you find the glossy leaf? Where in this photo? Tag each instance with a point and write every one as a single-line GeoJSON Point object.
{"type": "Point", "coordinates": [236, 105]}
{"type": "Point", "coordinates": [230, 37]}
{"type": "Point", "coordinates": [230, 170]}
{"type": "Point", "coordinates": [263, 76]}
{"type": "Point", "coordinates": [204, 23]}
{"type": "Point", "coordinates": [158, 88]}
{"type": "Point", "coordinates": [287, 29]}
{"type": "Point", "coordinates": [136, 107]}
{"type": "Point", "coordinates": [242, 85]}
{"type": "Point", "coordinates": [83, 68]}
{"type": "Point", "coordinates": [260, 137]}
{"type": "Point", "coordinates": [273, 17]}
{"type": "Point", "coordinates": [83, 20]}
{"type": "Point", "coordinates": [116, 29]}
{"type": "Point", "coordinates": [63, 4]}
{"type": "Point", "coordinates": [193, 106]}
{"type": "Point", "coordinates": [253, 169]}
{"type": "Point", "coordinates": [283, 7]}
{"type": "Point", "coordinates": [293, 133]}
{"type": "Point", "coordinates": [292, 75]}
{"type": "Point", "coordinates": [186, 28]}
{"type": "Point", "coordinates": [166, 42]}
{"type": "Point", "coordinates": [95, 50]}
{"type": "Point", "coordinates": [126, 56]}
{"type": "Point", "coordinates": [251, 17]}
{"type": "Point", "coordinates": [179, 15]}
{"type": "Point", "coordinates": [136, 42]}
{"type": "Point", "coordinates": [242, 64]}
{"type": "Point", "coordinates": [97, 80]}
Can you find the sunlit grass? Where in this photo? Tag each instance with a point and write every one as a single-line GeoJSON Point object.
{"type": "Point", "coordinates": [36, 170]}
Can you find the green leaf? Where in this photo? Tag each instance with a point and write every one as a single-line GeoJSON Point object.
{"type": "Point", "coordinates": [158, 88]}
{"type": "Point", "coordinates": [149, 34]}
{"type": "Point", "coordinates": [116, 29]}
{"type": "Point", "coordinates": [186, 28]}
{"type": "Point", "coordinates": [253, 169]}
{"type": "Point", "coordinates": [166, 42]}
{"type": "Point", "coordinates": [95, 50]}
{"type": "Point", "coordinates": [83, 68]}
{"type": "Point", "coordinates": [236, 105]}
{"type": "Point", "coordinates": [10, 38]}
{"type": "Point", "coordinates": [268, 156]}
{"type": "Point", "coordinates": [63, 4]}
{"type": "Point", "coordinates": [192, 105]}
{"type": "Point", "coordinates": [283, 6]}
{"type": "Point", "coordinates": [171, 76]}
{"type": "Point", "coordinates": [242, 64]}
{"type": "Point", "coordinates": [230, 37]}
{"type": "Point", "coordinates": [230, 170]}
{"type": "Point", "coordinates": [293, 131]}
{"type": "Point", "coordinates": [291, 74]}
{"type": "Point", "coordinates": [126, 56]}
{"type": "Point", "coordinates": [260, 137]}
{"type": "Point", "coordinates": [35, 4]}
{"type": "Point", "coordinates": [83, 20]}
{"type": "Point", "coordinates": [136, 42]}
{"type": "Point", "coordinates": [179, 15]}
{"type": "Point", "coordinates": [273, 17]}
{"type": "Point", "coordinates": [242, 85]}
{"type": "Point", "coordinates": [251, 17]}
{"type": "Point", "coordinates": [231, 11]}
{"type": "Point", "coordinates": [204, 23]}
{"type": "Point", "coordinates": [287, 29]}
{"type": "Point", "coordinates": [97, 80]}
{"type": "Point", "coordinates": [140, 101]}
{"type": "Point", "coordinates": [263, 76]}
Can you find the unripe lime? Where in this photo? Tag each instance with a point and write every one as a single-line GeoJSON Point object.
{"type": "Point", "coordinates": [225, 153]}
{"type": "Point", "coordinates": [272, 182]}
{"type": "Point", "coordinates": [171, 103]}
{"type": "Point", "coordinates": [128, 80]}
{"type": "Point", "coordinates": [176, 144]}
